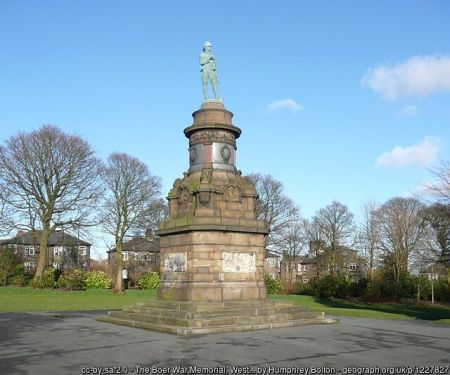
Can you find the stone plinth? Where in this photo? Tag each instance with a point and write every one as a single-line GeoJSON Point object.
{"type": "Point", "coordinates": [212, 265]}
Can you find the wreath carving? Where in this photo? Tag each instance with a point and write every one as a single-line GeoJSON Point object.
{"type": "Point", "coordinates": [225, 152]}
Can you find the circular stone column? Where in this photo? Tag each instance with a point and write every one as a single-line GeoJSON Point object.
{"type": "Point", "coordinates": [212, 138]}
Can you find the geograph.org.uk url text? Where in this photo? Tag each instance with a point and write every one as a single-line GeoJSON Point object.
{"type": "Point", "coordinates": [269, 370]}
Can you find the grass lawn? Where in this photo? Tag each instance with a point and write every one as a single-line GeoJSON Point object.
{"type": "Point", "coordinates": [28, 299]}
{"type": "Point", "coordinates": [438, 313]}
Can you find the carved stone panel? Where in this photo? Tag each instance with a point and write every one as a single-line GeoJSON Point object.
{"type": "Point", "coordinates": [239, 262]}
{"type": "Point", "coordinates": [175, 262]}
{"type": "Point", "coordinates": [206, 175]}
{"type": "Point", "coordinates": [184, 200]}
{"type": "Point", "coordinates": [196, 155]}
{"type": "Point", "coordinates": [232, 194]}
{"type": "Point", "coordinates": [204, 197]}
{"type": "Point", "coordinates": [225, 152]}
{"type": "Point", "coordinates": [223, 155]}
{"type": "Point", "coordinates": [211, 136]}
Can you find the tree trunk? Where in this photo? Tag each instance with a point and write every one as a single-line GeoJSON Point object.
{"type": "Point", "coordinates": [118, 287]}
{"type": "Point", "coordinates": [43, 257]}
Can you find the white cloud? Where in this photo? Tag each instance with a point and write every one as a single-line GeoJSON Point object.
{"type": "Point", "coordinates": [409, 111]}
{"type": "Point", "coordinates": [420, 76]}
{"type": "Point", "coordinates": [422, 154]}
{"type": "Point", "coordinates": [284, 104]}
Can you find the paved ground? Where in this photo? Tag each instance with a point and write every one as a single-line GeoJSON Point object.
{"type": "Point", "coordinates": [74, 343]}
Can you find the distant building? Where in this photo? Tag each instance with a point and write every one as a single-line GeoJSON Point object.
{"type": "Point", "coordinates": [140, 255]}
{"type": "Point", "coordinates": [272, 264]}
{"type": "Point", "coordinates": [64, 250]}
{"type": "Point", "coordinates": [303, 269]}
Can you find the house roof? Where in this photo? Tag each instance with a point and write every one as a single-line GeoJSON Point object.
{"type": "Point", "coordinates": [139, 244]}
{"type": "Point", "coordinates": [57, 238]}
{"type": "Point", "coordinates": [271, 254]}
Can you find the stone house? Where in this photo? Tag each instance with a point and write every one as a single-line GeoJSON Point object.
{"type": "Point", "coordinates": [140, 255]}
{"type": "Point", "coordinates": [272, 262]}
{"type": "Point", "coordinates": [64, 249]}
{"type": "Point", "coordinates": [303, 269]}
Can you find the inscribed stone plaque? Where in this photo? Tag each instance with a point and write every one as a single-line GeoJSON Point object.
{"type": "Point", "coordinates": [175, 262]}
{"type": "Point", "coordinates": [239, 262]}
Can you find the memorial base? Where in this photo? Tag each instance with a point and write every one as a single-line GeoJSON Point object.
{"type": "Point", "coordinates": [200, 318]}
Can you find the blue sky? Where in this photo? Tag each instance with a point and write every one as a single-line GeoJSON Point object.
{"type": "Point", "coordinates": [346, 100]}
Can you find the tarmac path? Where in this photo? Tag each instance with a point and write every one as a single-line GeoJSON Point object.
{"type": "Point", "coordinates": [75, 343]}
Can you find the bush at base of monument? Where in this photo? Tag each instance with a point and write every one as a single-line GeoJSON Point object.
{"type": "Point", "coordinates": [149, 281]}
{"type": "Point", "coordinates": [273, 285]}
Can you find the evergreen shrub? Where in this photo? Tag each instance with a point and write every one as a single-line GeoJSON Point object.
{"type": "Point", "coordinates": [149, 281]}
{"type": "Point", "coordinates": [97, 280]}
{"type": "Point", "coordinates": [73, 280]}
{"type": "Point", "coordinates": [273, 285]}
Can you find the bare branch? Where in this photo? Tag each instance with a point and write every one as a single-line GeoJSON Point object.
{"type": "Point", "coordinates": [274, 208]}
{"type": "Point", "coordinates": [401, 230]}
{"type": "Point", "coordinates": [133, 202]}
{"type": "Point", "coordinates": [49, 179]}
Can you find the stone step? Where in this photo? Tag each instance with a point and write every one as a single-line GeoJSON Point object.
{"type": "Point", "coordinates": [214, 306]}
{"type": "Point", "coordinates": [214, 321]}
{"type": "Point", "coordinates": [183, 314]}
{"type": "Point", "coordinates": [191, 331]}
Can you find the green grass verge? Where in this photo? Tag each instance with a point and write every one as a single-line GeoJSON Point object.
{"type": "Point", "coordinates": [28, 299]}
{"type": "Point", "coordinates": [438, 313]}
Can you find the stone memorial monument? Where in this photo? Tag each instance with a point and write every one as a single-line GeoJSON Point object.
{"type": "Point", "coordinates": [212, 244]}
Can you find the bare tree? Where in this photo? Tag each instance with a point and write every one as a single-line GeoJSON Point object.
{"type": "Point", "coordinates": [402, 232]}
{"type": "Point", "coordinates": [369, 236]}
{"type": "Point", "coordinates": [49, 180]}
{"type": "Point", "coordinates": [133, 202]}
{"type": "Point", "coordinates": [441, 187]}
{"type": "Point", "coordinates": [158, 213]}
{"type": "Point", "coordinates": [334, 226]}
{"type": "Point", "coordinates": [317, 244]}
{"type": "Point", "coordinates": [294, 244]}
{"type": "Point", "coordinates": [437, 218]}
{"type": "Point", "coordinates": [5, 224]}
{"type": "Point", "coordinates": [274, 208]}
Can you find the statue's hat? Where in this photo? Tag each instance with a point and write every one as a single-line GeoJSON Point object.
{"type": "Point", "coordinates": [207, 44]}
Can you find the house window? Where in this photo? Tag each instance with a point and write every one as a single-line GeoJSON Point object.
{"type": "Point", "coordinates": [13, 246]}
{"type": "Point", "coordinates": [58, 251]}
{"type": "Point", "coordinates": [82, 250]}
{"type": "Point", "coordinates": [29, 265]}
{"type": "Point", "coordinates": [272, 261]}
{"type": "Point", "coordinates": [142, 257]}
{"type": "Point", "coordinates": [299, 268]}
{"type": "Point", "coordinates": [29, 250]}
{"type": "Point", "coordinates": [305, 280]}
{"type": "Point", "coordinates": [305, 267]}
{"type": "Point", "coordinates": [56, 265]}
{"type": "Point", "coordinates": [125, 255]}
{"type": "Point", "coordinates": [352, 266]}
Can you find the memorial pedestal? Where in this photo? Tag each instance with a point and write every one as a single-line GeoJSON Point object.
{"type": "Point", "coordinates": [212, 245]}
